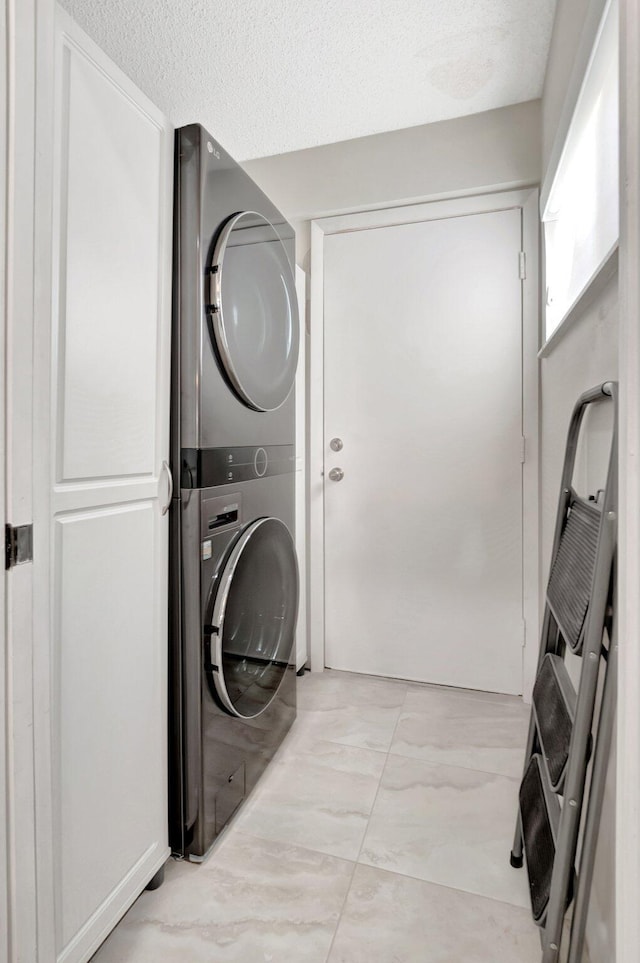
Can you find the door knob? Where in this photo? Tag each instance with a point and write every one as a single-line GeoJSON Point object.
{"type": "Point", "coordinates": [336, 474]}
{"type": "Point", "coordinates": [336, 444]}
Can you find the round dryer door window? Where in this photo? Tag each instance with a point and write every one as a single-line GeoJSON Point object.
{"type": "Point", "coordinates": [254, 311]}
{"type": "Point", "coordinates": [253, 610]}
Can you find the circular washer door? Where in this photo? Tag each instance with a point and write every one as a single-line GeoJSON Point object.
{"type": "Point", "coordinates": [253, 608]}
{"type": "Point", "coordinates": [254, 311]}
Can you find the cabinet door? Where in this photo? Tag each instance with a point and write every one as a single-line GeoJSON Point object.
{"type": "Point", "coordinates": [109, 418]}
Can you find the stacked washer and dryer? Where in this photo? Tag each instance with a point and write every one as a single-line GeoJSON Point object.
{"type": "Point", "coordinates": [233, 571]}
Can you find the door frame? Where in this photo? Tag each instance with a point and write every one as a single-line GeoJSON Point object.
{"type": "Point", "coordinates": [29, 49]}
{"type": "Point", "coordinates": [301, 470]}
{"type": "Point", "coordinates": [4, 710]}
{"type": "Point", "coordinates": [628, 728]}
{"type": "Point", "coordinates": [527, 201]}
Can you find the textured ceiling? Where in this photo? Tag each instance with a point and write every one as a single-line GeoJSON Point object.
{"type": "Point", "coordinates": [269, 76]}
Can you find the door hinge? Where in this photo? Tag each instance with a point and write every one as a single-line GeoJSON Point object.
{"type": "Point", "coordinates": [522, 265]}
{"type": "Point", "coordinates": [18, 545]}
{"type": "Point", "coordinates": [523, 450]}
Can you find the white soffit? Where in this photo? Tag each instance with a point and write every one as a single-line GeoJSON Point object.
{"type": "Point", "coordinates": [269, 76]}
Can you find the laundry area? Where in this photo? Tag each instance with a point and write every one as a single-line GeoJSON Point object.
{"type": "Point", "coordinates": [322, 380]}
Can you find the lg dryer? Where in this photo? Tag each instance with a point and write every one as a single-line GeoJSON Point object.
{"type": "Point", "coordinates": [235, 303]}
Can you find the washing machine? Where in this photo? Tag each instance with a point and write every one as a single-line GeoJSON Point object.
{"type": "Point", "coordinates": [233, 570]}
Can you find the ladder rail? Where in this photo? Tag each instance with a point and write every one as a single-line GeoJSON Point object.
{"type": "Point", "coordinates": [602, 392]}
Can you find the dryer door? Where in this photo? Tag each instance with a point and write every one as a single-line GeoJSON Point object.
{"type": "Point", "coordinates": [253, 311]}
{"type": "Point", "coordinates": [251, 618]}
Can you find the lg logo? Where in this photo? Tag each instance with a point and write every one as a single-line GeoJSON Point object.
{"type": "Point", "coordinates": [212, 150]}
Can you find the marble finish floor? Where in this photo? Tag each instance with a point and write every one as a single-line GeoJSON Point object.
{"type": "Point", "coordinates": [380, 834]}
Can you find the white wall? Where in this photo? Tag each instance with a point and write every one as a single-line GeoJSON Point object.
{"type": "Point", "coordinates": [586, 355]}
{"type": "Point", "coordinates": [496, 150]}
{"type": "Point", "coordinates": [628, 773]}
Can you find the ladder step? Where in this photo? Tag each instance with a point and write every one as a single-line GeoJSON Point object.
{"type": "Point", "coordinates": [571, 577]}
{"type": "Point", "coordinates": [554, 705]}
{"type": "Point", "coordinates": [540, 815]}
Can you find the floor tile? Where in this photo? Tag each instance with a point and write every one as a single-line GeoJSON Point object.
{"type": "Point", "coordinates": [446, 825]}
{"type": "Point", "coordinates": [364, 726]}
{"type": "Point", "coordinates": [252, 901]}
{"type": "Point", "coordinates": [336, 690]}
{"type": "Point", "coordinates": [417, 695]}
{"type": "Point", "coordinates": [303, 744]}
{"type": "Point", "coordinates": [395, 919]}
{"type": "Point", "coordinates": [312, 804]}
{"type": "Point", "coordinates": [458, 731]}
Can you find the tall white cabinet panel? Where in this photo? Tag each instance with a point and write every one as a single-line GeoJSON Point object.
{"type": "Point", "coordinates": [110, 441]}
{"type": "Point", "coordinates": [110, 762]}
{"type": "Point", "coordinates": [109, 290]}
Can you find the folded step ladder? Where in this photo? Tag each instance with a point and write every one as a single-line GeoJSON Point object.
{"type": "Point", "coordinates": [565, 731]}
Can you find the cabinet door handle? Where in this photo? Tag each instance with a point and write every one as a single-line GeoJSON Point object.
{"type": "Point", "coordinates": [165, 509]}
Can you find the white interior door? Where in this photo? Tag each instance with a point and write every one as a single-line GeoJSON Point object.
{"type": "Point", "coordinates": [423, 387]}
{"type": "Point", "coordinates": [108, 422]}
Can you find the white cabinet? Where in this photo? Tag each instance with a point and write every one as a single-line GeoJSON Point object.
{"type": "Point", "coordinates": [109, 431]}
